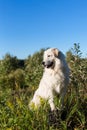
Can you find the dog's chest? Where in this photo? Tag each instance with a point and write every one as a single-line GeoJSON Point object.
{"type": "Point", "coordinates": [53, 79]}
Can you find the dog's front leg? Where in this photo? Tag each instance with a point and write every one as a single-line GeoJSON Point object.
{"type": "Point", "coordinates": [52, 106]}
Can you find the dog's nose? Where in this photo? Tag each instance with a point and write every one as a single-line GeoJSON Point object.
{"type": "Point", "coordinates": [43, 63]}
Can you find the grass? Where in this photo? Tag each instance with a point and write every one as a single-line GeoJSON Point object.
{"type": "Point", "coordinates": [15, 114]}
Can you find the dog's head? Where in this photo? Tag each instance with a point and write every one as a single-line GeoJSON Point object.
{"type": "Point", "coordinates": [49, 57]}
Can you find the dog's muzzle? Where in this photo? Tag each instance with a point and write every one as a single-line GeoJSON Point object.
{"type": "Point", "coordinates": [47, 64]}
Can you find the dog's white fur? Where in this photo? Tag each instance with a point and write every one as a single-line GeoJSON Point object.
{"type": "Point", "coordinates": [55, 78]}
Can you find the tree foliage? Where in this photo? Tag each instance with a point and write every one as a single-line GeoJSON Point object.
{"type": "Point", "coordinates": [34, 69]}
{"type": "Point", "coordinates": [78, 67]}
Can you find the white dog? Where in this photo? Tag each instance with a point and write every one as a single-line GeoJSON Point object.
{"type": "Point", "coordinates": [55, 78]}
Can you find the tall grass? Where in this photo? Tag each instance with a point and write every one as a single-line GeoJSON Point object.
{"type": "Point", "coordinates": [15, 114]}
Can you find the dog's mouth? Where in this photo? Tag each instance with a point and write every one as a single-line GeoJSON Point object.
{"type": "Point", "coordinates": [48, 64]}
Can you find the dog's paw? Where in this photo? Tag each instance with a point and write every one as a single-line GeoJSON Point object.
{"type": "Point", "coordinates": [32, 106]}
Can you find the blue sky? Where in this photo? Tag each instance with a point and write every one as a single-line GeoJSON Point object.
{"type": "Point", "coordinates": [26, 26]}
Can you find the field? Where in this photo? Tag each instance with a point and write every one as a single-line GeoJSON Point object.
{"type": "Point", "coordinates": [19, 80]}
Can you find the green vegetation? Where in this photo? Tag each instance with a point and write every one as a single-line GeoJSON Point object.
{"type": "Point", "coordinates": [18, 81]}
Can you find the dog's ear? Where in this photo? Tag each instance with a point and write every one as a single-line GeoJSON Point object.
{"type": "Point", "coordinates": [56, 52]}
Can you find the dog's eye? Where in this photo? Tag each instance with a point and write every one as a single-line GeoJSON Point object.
{"type": "Point", "coordinates": [48, 55]}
